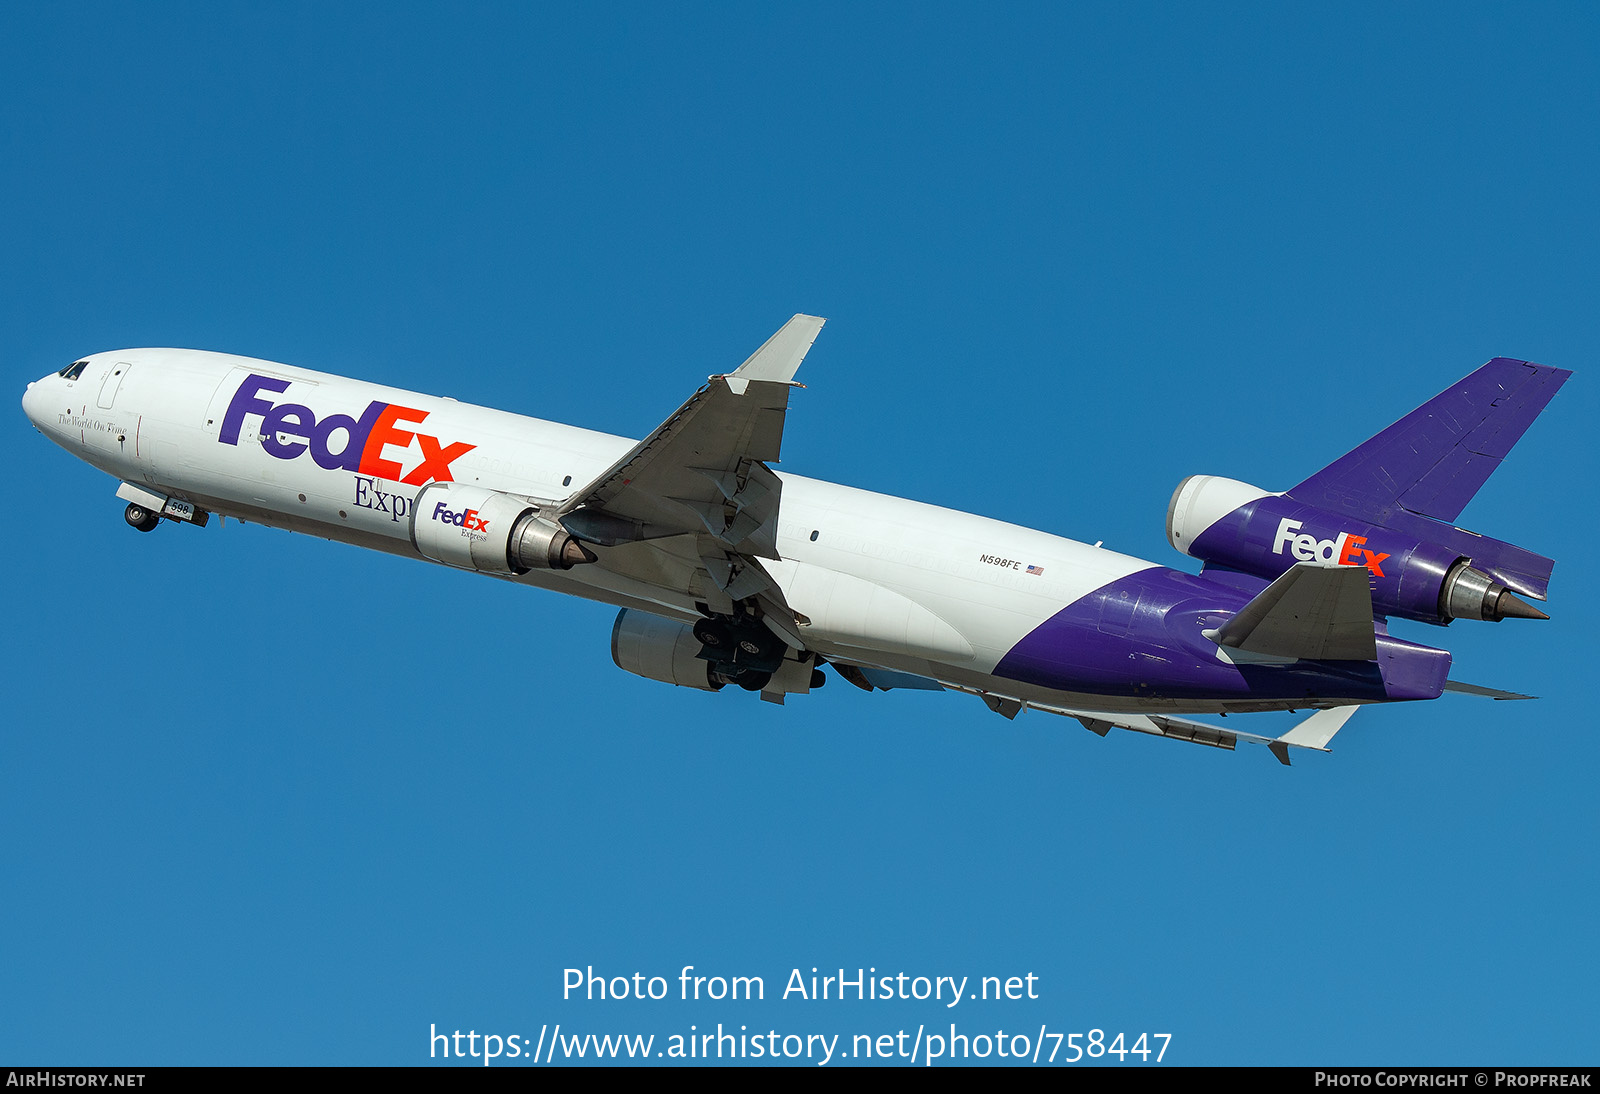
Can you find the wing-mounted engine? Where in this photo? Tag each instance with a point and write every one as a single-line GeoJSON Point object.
{"type": "Point", "coordinates": [1450, 574]}
{"type": "Point", "coordinates": [710, 655]}
{"type": "Point", "coordinates": [490, 531]}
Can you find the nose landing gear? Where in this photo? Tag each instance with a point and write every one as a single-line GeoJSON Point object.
{"type": "Point", "coordinates": [141, 518]}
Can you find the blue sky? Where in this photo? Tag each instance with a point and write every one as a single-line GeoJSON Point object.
{"type": "Point", "coordinates": [267, 799]}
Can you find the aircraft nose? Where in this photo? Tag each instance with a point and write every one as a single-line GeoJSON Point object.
{"type": "Point", "coordinates": [31, 400]}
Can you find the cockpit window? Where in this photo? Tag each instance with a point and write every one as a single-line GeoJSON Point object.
{"type": "Point", "coordinates": [73, 371]}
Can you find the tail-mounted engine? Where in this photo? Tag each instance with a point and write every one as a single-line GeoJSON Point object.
{"type": "Point", "coordinates": [1425, 570]}
{"type": "Point", "coordinates": [490, 531]}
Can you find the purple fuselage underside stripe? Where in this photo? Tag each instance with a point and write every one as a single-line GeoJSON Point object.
{"type": "Point", "coordinates": [1141, 636]}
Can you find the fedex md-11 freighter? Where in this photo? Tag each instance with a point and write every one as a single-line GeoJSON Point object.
{"type": "Point", "coordinates": [729, 573]}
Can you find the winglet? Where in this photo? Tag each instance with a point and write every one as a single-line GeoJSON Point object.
{"type": "Point", "coordinates": [779, 357]}
{"type": "Point", "coordinates": [1315, 732]}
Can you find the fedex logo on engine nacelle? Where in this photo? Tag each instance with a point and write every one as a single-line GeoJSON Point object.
{"type": "Point", "coordinates": [467, 519]}
{"type": "Point", "coordinates": [362, 448]}
{"type": "Point", "coordinates": [1346, 550]}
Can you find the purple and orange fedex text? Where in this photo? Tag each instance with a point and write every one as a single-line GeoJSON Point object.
{"type": "Point", "coordinates": [366, 442]}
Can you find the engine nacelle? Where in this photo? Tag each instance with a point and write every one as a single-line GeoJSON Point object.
{"type": "Point", "coordinates": [486, 530]}
{"type": "Point", "coordinates": [1233, 524]}
{"type": "Point", "coordinates": [660, 649]}
{"type": "Point", "coordinates": [666, 650]}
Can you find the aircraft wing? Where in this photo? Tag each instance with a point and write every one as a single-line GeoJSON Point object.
{"type": "Point", "coordinates": [703, 472]}
{"type": "Point", "coordinates": [1314, 732]}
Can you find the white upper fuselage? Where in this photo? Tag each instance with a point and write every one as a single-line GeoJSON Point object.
{"type": "Point", "coordinates": [883, 581]}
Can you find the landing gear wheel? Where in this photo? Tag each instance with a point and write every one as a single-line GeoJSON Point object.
{"type": "Point", "coordinates": [714, 635]}
{"type": "Point", "coordinates": [754, 681]}
{"type": "Point", "coordinates": [139, 517]}
{"type": "Point", "coordinates": [762, 645]}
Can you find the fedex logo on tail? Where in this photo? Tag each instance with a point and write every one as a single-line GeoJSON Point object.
{"type": "Point", "coordinates": [338, 441]}
{"type": "Point", "coordinates": [1346, 550]}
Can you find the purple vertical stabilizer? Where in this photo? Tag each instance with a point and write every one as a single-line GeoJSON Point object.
{"type": "Point", "coordinates": [1432, 461]}
{"type": "Point", "coordinates": [1386, 505]}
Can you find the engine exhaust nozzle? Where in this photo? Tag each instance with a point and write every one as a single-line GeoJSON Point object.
{"type": "Point", "coordinates": [1512, 606]}
{"type": "Point", "coordinates": [1469, 593]}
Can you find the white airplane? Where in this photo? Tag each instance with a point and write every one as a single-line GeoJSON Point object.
{"type": "Point", "coordinates": [729, 573]}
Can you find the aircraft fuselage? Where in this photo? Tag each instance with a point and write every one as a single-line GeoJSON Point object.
{"type": "Point", "coordinates": [878, 581]}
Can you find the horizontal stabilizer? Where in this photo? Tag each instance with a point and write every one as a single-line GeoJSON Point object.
{"type": "Point", "coordinates": [1321, 613]}
{"type": "Point", "coordinates": [1488, 693]}
{"type": "Point", "coordinates": [1432, 461]}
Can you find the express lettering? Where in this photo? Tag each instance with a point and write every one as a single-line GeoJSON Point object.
{"type": "Point", "coordinates": [1346, 550]}
{"type": "Point", "coordinates": [369, 495]}
{"type": "Point", "coordinates": [339, 441]}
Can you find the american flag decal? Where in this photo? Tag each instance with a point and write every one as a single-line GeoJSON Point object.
{"type": "Point", "coordinates": [1035, 569]}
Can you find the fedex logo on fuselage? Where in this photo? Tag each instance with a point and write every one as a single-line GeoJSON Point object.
{"type": "Point", "coordinates": [363, 444]}
{"type": "Point", "coordinates": [1346, 550]}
